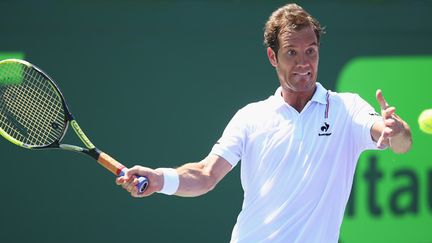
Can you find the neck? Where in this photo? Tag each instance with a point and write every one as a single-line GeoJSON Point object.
{"type": "Point", "coordinates": [297, 100]}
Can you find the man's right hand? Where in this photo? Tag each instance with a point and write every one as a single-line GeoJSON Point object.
{"type": "Point", "coordinates": [129, 180]}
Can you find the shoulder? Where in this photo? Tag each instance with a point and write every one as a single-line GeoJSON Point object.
{"type": "Point", "coordinates": [351, 104]}
{"type": "Point", "coordinates": [255, 113]}
{"type": "Point", "coordinates": [346, 99]}
{"type": "Point", "coordinates": [258, 107]}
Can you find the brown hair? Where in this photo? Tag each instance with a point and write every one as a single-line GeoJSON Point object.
{"type": "Point", "coordinates": [289, 17]}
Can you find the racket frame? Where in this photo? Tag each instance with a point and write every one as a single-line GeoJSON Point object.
{"type": "Point", "coordinates": [104, 159]}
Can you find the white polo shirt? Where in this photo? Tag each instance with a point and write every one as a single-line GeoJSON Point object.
{"type": "Point", "coordinates": [297, 168]}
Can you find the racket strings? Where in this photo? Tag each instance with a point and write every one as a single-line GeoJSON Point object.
{"type": "Point", "coordinates": [27, 126]}
{"type": "Point", "coordinates": [31, 110]}
{"type": "Point", "coordinates": [40, 113]}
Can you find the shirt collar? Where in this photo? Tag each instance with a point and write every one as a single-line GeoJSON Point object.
{"type": "Point", "coordinates": [319, 96]}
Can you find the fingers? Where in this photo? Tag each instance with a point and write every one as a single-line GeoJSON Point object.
{"type": "Point", "coordinates": [389, 122]}
{"type": "Point", "coordinates": [392, 123]}
{"type": "Point", "coordinates": [386, 111]}
{"type": "Point", "coordinates": [381, 141]}
{"type": "Point", "coordinates": [129, 184]}
{"type": "Point", "coordinates": [381, 100]}
{"type": "Point", "coordinates": [136, 171]}
{"type": "Point", "coordinates": [130, 180]}
{"type": "Point", "coordinates": [386, 133]}
{"type": "Point", "coordinates": [386, 114]}
{"type": "Point", "coordinates": [391, 126]}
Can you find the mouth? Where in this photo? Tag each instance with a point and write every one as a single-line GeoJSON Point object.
{"type": "Point", "coordinates": [308, 73]}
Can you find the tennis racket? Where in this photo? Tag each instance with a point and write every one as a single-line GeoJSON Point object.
{"type": "Point", "coordinates": [34, 115]}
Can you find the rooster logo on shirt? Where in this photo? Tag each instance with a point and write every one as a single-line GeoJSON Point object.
{"type": "Point", "coordinates": [324, 130]}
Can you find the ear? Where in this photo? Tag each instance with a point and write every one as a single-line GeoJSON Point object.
{"type": "Point", "coordinates": [272, 56]}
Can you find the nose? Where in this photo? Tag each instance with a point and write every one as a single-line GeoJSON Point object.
{"type": "Point", "coordinates": [302, 60]}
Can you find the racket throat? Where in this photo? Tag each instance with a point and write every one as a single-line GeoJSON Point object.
{"type": "Point", "coordinates": [81, 135]}
{"type": "Point", "coordinates": [94, 153]}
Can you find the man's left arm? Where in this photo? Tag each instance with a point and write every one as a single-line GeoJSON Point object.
{"type": "Point", "coordinates": [391, 131]}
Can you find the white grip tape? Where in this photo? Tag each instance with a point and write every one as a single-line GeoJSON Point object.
{"type": "Point", "coordinates": [171, 181]}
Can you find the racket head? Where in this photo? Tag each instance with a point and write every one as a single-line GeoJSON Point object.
{"type": "Point", "coordinates": [33, 113]}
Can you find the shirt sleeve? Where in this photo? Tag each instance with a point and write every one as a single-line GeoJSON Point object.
{"type": "Point", "coordinates": [364, 117]}
{"type": "Point", "coordinates": [230, 145]}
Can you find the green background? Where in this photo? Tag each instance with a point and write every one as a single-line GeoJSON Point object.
{"type": "Point", "coordinates": [155, 83]}
{"type": "Point", "coordinates": [392, 197]}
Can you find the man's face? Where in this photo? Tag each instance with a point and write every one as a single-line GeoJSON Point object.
{"type": "Point", "coordinates": [297, 60]}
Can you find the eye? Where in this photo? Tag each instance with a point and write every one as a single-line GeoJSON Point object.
{"type": "Point", "coordinates": [310, 51]}
{"type": "Point", "coordinates": [291, 52]}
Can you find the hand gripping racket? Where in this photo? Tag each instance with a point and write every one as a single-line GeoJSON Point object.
{"type": "Point", "coordinates": [34, 115]}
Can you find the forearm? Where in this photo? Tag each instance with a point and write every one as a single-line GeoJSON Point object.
{"type": "Point", "coordinates": [198, 178]}
{"type": "Point", "coordinates": [189, 180]}
{"type": "Point", "coordinates": [195, 179]}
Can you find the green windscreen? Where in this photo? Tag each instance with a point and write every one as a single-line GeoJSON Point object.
{"type": "Point", "coordinates": [7, 76]}
{"type": "Point", "coordinates": [9, 55]}
{"type": "Point", "coordinates": [10, 73]}
{"type": "Point", "coordinates": [391, 199]}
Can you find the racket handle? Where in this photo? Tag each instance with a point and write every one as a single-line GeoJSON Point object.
{"type": "Point", "coordinates": [118, 169]}
{"type": "Point", "coordinates": [142, 181]}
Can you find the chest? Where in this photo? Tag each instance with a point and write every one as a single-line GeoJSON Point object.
{"type": "Point", "coordinates": [289, 128]}
{"type": "Point", "coordinates": [289, 144]}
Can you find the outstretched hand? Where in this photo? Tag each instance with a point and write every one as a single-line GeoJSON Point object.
{"type": "Point", "coordinates": [393, 124]}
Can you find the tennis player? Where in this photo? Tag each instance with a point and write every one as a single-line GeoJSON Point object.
{"type": "Point", "coordinates": [298, 148]}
